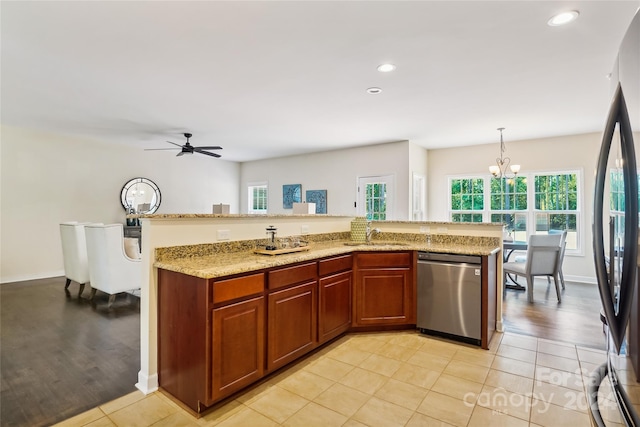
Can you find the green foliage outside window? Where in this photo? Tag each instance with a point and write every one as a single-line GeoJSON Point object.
{"type": "Point", "coordinates": [616, 183]}
{"type": "Point", "coordinates": [466, 217]}
{"type": "Point", "coordinates": [556, 192]}
{"type": "Point", "coordinates": [376, 201]}
{"type": "Point", "coordinates": [509, 194]}
{"type": "Point", "coordinates": [467, 194]}
{"type": "Point", "coordinates": [258, 198]}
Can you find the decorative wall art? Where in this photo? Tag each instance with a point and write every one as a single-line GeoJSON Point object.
{"type": "Point", "coordinates": [291, 193]}
{"type": "Point", "coordinates": [319, 197]}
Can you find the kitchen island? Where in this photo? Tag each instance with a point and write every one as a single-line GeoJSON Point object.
{"type": "Point", "coordinates": [227, 317]}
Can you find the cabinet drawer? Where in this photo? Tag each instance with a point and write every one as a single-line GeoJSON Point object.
{"type": "Point", "coordinates": [335, 265]}
{"type": "Point", "coordinates": [230, 289]}
{"type": "Point", "coordinates": [383, 259]}
{"type": "Point", "coordinates": [291, 275]}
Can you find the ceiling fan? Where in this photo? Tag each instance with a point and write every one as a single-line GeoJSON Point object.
{"type": "Point", "coordinates": [187, 148]}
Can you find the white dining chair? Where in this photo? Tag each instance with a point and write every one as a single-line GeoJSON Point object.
{"type": "Point", "coordinates": [74, 254]}
{"type": "Point", "coordinates": [111, 270]}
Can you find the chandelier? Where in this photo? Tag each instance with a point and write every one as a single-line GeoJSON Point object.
{"type": "Point", "coordinates": [499, 170]}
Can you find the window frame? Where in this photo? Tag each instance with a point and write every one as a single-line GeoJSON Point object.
{"type": "Point", "coordinates": [390, 188]}
{"type": "Point", "coordinates": [251, 186]}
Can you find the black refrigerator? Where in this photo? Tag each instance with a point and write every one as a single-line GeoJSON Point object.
{"type": "Point", "coordinates": [615, 235]}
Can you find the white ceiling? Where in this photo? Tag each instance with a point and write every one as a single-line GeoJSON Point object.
{"type": "Point", "coordinates": [269, 78]}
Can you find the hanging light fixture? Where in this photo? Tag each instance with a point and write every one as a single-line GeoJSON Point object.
{"type": "Point", "coordinates": [499, 170]}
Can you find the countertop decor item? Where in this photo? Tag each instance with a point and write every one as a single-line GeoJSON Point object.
{"type": "Point", "coordinates": [271, 239]}
{"type": "Point", "coordinates": [282, 251]}
{"type": "Point", "coordinates": [304, 208]}
{"type": "Point", "coordinates": [359, 229]}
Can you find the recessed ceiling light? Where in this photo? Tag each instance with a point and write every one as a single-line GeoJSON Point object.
{"type": "Point", "coordinates": [563, 18]}
{"type": "Point", "coordinates": [385, 68]}
{"type": "Point", "coordinates": [374, 90]}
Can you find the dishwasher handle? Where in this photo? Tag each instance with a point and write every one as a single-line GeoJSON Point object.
{"type": "Point", "coordinates": [438, 257]}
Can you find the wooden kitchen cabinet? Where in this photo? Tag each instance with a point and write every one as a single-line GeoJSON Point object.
{"type": "Point", "coordinates": [238, 346]}
{"type": "Point", "coordinates": [384, 291]}
{"type": "Point", "coordinates": [292, 313]}
{"type": "Point", "coordinates": [210, 336]}
{"type": "Point", "coordinates": [183, 337]}
{"type": "Point", "coordinates": [335, 290]}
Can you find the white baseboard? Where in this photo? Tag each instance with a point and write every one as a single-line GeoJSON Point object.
{"type": "Point", "coordinates": [581, 279]}
{"type": "Point", "coordinates": [25, 277]}
{"type": "Point", "coordinates": [147, 384]}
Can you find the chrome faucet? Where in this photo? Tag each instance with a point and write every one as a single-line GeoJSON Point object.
{"type": "Point", "coordinates": [371, 231]}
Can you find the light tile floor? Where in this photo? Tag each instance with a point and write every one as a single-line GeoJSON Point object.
{"type": "Point", "coordinates": [403, 379]}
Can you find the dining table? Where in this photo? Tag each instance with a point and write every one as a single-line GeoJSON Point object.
{"type": "Point", "coordinates": [510, 246]}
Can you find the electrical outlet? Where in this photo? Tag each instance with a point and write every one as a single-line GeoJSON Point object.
{"type": "Point", "coordinates": [224, 234]}
{"type": "Point", "coordinates": [304, 229]}
{"type": "Point", "coordinates": [443, 230]}
{"type": "Point", "coordinates": [425, 229]}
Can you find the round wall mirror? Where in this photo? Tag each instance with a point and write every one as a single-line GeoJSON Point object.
{"type": "Point", "coordinates": [140, 196]}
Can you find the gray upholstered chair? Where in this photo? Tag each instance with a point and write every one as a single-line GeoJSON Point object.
{"type": "Point", "coordinates": [563, 247]}
{"type": "Point", "coordinates": [74, 254]}
{"type": "Point", "coordinates": [543, 257]}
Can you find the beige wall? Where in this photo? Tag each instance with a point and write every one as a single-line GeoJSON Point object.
{"type": "Point", "coordinates": [47, 179]}
{"type": "Point", "coordinates": [337, 172]}
{"type": "Point", "coordinates": [567, 152]}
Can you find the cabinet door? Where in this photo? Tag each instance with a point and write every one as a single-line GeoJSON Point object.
{"type": "Point", "coordinates": [183, 329]}
{"type": "Point", "coordinates": [384, 297]}
{"type": "Point", "coordinates": [292, 324]}
{"type": "Point", "coordinates": [334, 315]}
{"type": "Point", "coordinates": [238, 346]}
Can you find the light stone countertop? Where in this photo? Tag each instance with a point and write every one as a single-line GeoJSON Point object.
{"type": "Point", "coordinates": [229, 263]}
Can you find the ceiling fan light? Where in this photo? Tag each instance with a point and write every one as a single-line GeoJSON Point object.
{"type": "Point", "coordinates": [563, 18]}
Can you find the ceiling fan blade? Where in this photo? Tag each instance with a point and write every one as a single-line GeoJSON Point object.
{"type": "Point", "coordinates": [155, 149]}
{"type": "Point", "coordinates": [213, 147]}
{"type": "Point", "coordinates": [180, 153]}
{"type": "Point", "coordinates": [198, 150]}
{"type": "Point", "coordinates": [177, 145]}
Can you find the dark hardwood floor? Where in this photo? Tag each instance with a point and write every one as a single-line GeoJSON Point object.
{"type": "Point", "coordinates": [575, 320]}
{"type": "Point", "coordinates": [60, 355]}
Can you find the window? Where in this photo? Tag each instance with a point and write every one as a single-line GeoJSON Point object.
{"type": "Point", "coordinates": [375, 197]}
{"type": "Point", "coordinates": [556, 205]}
{"type": "Point", "coordinates": [467, 199]}
{"type": "Point", "coordinates": [528, 204]}
{"type": "Point", "coordinates": [616, 201]}
{"type": "Point", "coordinates": [509, 205]}
{"type": "Point", "coordinates": [258, 194]}
{"type": "Point", "coordinates": [419, 192]}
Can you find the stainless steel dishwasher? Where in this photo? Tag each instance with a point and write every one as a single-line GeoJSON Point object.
{"type": "Point", "coordinates": [449, 296]}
